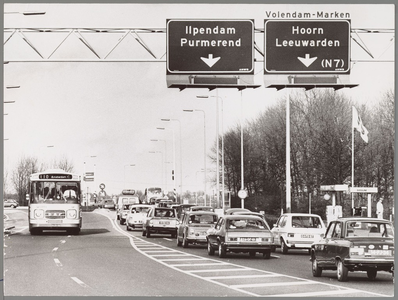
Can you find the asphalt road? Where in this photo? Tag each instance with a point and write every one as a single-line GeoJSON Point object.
{"type": "Point", "coordinates": [106, 260]}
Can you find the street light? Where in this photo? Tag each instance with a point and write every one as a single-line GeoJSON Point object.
{"type": "Point", "coordinates": [26, 13]}
{"type": "Point", "coordinates": [204, 147]}
{"type": "Point", "coordinates": [165, 158]}
{"type": "Point", "coordinates": [174, 155]}
{"type": "Point", "coordinates": [163, 173]}
{"type": "Point", "coordinates": [218, 146]}
{"type": "Point", "coordinates": [168, 120]}
{"type": "Point", "coordinates": [124, 178]}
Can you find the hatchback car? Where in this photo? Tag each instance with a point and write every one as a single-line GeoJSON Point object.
{"type": "Point", "coordinates": [193, 227]}
{"type": "Point", "coordinates": [109, 204]}
{"type": "Point", "coordinates": [136, 216]}
{"type": "Point", "coordinates": [355, 244]}
{"type": "Point", "coordinates": [10, 203]}
{"type": "Point", "coordinates": [238, 233]}
{"type": "Point", "coordinates": [160, 220]}
{"type": "Point", "coordinates": [297, 231]}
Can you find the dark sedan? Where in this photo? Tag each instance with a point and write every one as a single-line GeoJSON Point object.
{"type": "Point", "coordinates": [239, 233]}
{"type": "Point", "coordinates": [355, 244]}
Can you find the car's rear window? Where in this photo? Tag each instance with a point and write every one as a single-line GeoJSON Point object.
{"type": "Point", "coordinates": [202, 219]}
{"type": "Point", "coordinates": [247, 224]}
{"type": "Point", "coordinates": [369, 229]}
{"type": "Point", "coordinates": [306, 222]}
{"type": "Point", "coordinates": [164, 213]}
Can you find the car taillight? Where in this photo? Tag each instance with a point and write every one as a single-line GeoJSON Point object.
{"type": "Point", "coordinates": [290, 235]}
{"type": "Point", "coordinates": [232, 239]}
{"type": "Point", "coordinates": [39, 213]}
{"type": "Point", "coordinates": [270, 239]}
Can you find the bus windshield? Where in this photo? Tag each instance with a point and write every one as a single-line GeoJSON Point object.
{"type": "Point", "coordinates": [55, 192]}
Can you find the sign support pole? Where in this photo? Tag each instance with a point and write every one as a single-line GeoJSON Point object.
{"type": "Point", "coordinates": [241, 148]}
{"type": "Point", "coordinates": [288, 192]}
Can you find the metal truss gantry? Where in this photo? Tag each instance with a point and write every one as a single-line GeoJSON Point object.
{"type": "Point", "coordinates": [147, 44]}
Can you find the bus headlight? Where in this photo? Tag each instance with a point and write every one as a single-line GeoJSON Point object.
{"type": "Point", "coordinates": [71, 214]}
{"type": "Point", "coordinates": [39, 214]}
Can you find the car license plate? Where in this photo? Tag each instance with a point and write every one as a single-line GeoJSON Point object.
{"type": "Point", "coordinates": [164, 222]}
{"type": "Point", "coordinates": [248, 239]}
{"type": "Point", "coordinates": [54, 221]}
{"type": "Point", "coordinates": [380, 252]}
{"type": "Point", "coordinates": [307, 236]}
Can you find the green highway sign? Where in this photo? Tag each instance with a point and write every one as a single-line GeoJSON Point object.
{"type": "Point", "coordinates": [210, 46]}
{"type": "Point", "coordinates": [307, 46]}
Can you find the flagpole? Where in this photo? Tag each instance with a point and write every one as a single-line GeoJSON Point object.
{"type": "Point", "coordinates": [352, 157]}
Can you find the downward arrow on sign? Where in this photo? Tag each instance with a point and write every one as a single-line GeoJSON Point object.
{"type": "Point", "coordinates": [307, 61]}
{"type": "Point", "coordinates": [210, 61]}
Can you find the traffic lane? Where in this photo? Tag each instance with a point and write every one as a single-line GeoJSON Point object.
{"type": "Point", "coordinates": [138, 275]}
{"type": "Point", "coordinates": [16, 219]}
{"type": "Point", "coordinates": [296, 263]}
{"type": "Point", "coordinates": [98, 262]}
{"type": "Point", "coordinates": [33, 260]}
{"type": "Point", "coordinates": [30, 268]}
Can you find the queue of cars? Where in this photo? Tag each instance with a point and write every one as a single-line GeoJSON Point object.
{"type": "Point", "coordinates": [345, 245]}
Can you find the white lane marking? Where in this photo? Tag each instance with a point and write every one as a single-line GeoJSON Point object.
{"type": "Point", "coordinates": [79, 282]}
{"type": "Point", "coordinates": [216, 270]}
{"type": "Point", "coordinates": [241, 276]}
{"type": "Point", "coordinates": [321, 293]}
{"type": "Point", "coordinates": [161, 251]}
{"type": "Point", "coordinates": [167, 239]}
{"type": "Point", "coordinates": [193, 265]}
{"type": "Point", "coordinates": [241, 268]}
{"type": "Point", "coordinates": [57, 262]}
{"type": "Point", "coordinates": [55, 249]}
{"type": "Point", "coordinates": [181, 259]}
{"type": "Point", "coordinates": [63, 241]}
{"type": "Point", "coordinates": [243, 286]}
{"type": "Point", "coordinates": [168, 255]}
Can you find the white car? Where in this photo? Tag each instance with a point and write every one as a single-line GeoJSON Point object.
{"type": "Point", "coordinates": [297, 231]}
{"type": "Point", "coordinates": [136, 215]}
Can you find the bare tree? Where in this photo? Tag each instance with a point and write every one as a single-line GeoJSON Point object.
{"type": "Point", "coordinates": [20, 177]}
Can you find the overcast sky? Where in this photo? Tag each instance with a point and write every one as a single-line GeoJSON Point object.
{"type": "Point", "coordinates": [111, 109]}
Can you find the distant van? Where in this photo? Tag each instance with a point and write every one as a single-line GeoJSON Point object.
{"type": "Point", "coordinates": [124, 200]}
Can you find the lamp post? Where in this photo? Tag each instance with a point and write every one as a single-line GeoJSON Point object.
{"type": "Point", "coordinates": [163, 160]}
{"type": "Point", "coordinates": [204, 148]}
{"type": "Point", "coordinates": [124, 178]}
{"type": "Point", "coordinates": [168, 120]}
{"type": "Point", "coordinates": [218, 147]}
{"type": "Point", "coordinates": [174, 157]}
{"type": "Point", "coordinates": [26, 13]}
{"type": "Point", "coordinates": [162, 167]}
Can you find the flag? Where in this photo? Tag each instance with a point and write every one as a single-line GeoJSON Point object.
{"type": "Point", "coordinates": [357, 124]}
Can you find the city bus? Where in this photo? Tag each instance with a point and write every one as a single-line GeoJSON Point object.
{"type": "Point", "coordinates": [54, 202]}
{"type": "Point", "coordinates": [153, 193]}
